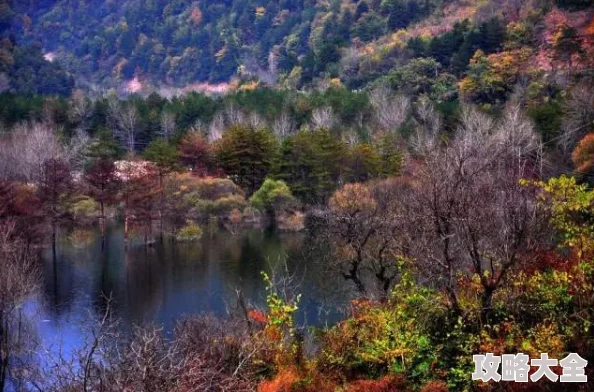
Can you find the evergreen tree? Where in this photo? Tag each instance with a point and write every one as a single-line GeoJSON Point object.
{"type": "Point", "coordinates": [247, 155]}
{"type": "Point", "coordinates": [311, 163]}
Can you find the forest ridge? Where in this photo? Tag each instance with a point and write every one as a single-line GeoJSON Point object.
{"type": "Point", "coordinates": [133, 44]}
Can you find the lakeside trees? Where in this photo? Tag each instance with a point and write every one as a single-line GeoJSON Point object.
{"type": "Point", "coordinates": [462, 234]}
{"type": "Point", "coordinates": [441, 152]}
{"type": "Point", "coordinates": [102, 184]}
{"type": "Point", "coordinates": [452, 217]}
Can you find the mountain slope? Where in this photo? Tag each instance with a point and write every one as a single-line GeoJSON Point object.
{"type": "Point", "coordinates": [297, 43]}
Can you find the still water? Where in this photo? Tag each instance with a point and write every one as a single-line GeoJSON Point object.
{"type": "Point", "coordinates": [171, 280]}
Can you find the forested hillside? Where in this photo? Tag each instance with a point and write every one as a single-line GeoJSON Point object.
{"type": "Point", "coordinates": [434, 157]}
{"type": "Point", "coordinates": [423, 46]}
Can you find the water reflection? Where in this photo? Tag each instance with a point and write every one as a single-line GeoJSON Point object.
{"type": "Point", "coordinates": [170, 280]}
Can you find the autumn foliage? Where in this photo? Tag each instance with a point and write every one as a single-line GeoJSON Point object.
{"type": "Point", "coordinates": [583, 155]}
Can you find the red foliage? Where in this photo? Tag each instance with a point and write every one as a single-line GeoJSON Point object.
{"type": "Point", "coordinates": [196, 153]}
{"type": "Point", "coordinates": [20, 205]}
{"type": "Point", "coordinates": [257, 316]}
{"type": "Point", "coordinates": [549, 260]}
{"type": "Point", "coordinates": [386, 384]}
{"type": "Point", "coordinates": [283, 382]}
{"type": "Point", "coordinates": [102, 181]}
{"type": "Point", "coordinates": [435, 386]}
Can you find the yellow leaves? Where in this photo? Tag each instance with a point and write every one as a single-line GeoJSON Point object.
{"type": "Point", "coordinates": [583, 155]}
{"type": "Point", "coordinates": [570, 203]}
{"type": "Point", "coordinates": [335, 83]}
{"type": "Point", "coordinates": [468, 85]}
{"type": "Point", "coordinates": [352, 198]}
{"type": "Point", "coordinates": [510, 63]}
{"type": "Point", "coordinates": [547, 339]}
{"type": "Point", "coordinates": [477, 57]}
{"type": "Point", "coordinates": [249, 86]}
{"type": "Point", "coordinates": [399, 39]}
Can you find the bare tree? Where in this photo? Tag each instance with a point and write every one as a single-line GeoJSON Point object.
{"type": "Point", "coordinates": [205, 354]}
{"type": "Point", "coordinates": [283, 126]}
{"type": "Point", "coordinates": [24, 150]}
{"type": "Point", "coordinates": [256, 121]}
{"type": "Point", "coordinates": [80, 109]}
{"type": "Point", "coordinates": [351, 136]}
{"type": "Point", "coordinates": [469, 212]}
{"type": "Point", "coordinates": [19, 278]}
{"type": "Point", "coordinates": [216, 127]}
{"type": "Point", "coordinates": [361, 224]}
{"type": "Point", "coordinates": [323, 118]}
{"type": "Point", "coordinates": [167, 125]}
{"type": "Point", "coordinates": [76, 151]}
{"type": "Point", "coordinates": [390, 111]}
{"type": "Point", "coordinates": [428, 126]}
{"type": "Point", "coordinates": [234, 115]}
{"type": "Point", "coordinates": [578, 119]}
{"type": "Point", "coordinates": [272, 74]}
{"type": "Point", "coordinates": [350, 61]}
{"type": "Point", "coordinates": [124, 118]}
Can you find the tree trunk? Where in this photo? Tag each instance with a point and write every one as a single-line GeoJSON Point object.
{"type": "Point", "coordinates": [453, 300]}
{"type": "Point", "coordinates": [3, 355]}
{"type": "Point", "coordinates": [126, 228]}
{"type": "Point", "coordinates": [54, 239]}
{"type": "Point", "coordinates": [353, 275]}
{"type": "Point", "coordinates": [486, 304]}
{"type": "Point", "coordinates": [161, 206]}
{"type": "Point", "coordinates": [102, 221]}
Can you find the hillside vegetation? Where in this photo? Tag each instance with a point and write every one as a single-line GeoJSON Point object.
{"type": "Point", "coordinates": [300, 43]}
{"type": "Point", "coordinates": [438, 157]}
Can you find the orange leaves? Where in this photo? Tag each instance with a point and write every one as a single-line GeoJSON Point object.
{"type": "Point", "coordinates": [283, 382]}
{"type": "Point", "coordinates": [491, 76]}
{"type": "Point", "coordinates": [385, 384]}
{"type": "Point", "coordinates": [435, 386]}
{"type": "Point", "coordinates": [292, 380]}
{"type": "Point", "coordinates": [289, 380]}
{"type": "Point", "coordinates": [257, 316]}
{"type": "Point", "coordinates": [352, 198]}
{"type": "Point", "coordinates": [583, 155]}
{"type": "Point", "coordinates": [590, 29]}
{"type": "Point", "coordinates": [509, 64]}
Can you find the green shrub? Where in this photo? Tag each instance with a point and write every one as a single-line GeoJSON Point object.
{"type": "Point", "coordinates": [84, 208]}
{"type": "Point", "coordinates": [272, 195]}
{"type": "Point", "coordinates": [190, 232]}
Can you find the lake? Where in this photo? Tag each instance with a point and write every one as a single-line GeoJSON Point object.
{"type": "Point", "coordinates": [171, 280]}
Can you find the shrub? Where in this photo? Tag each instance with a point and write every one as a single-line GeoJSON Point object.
{"type": "Point", "coordinates": [84, 208]}
{"type": "Point", "coordinates": [225, 205]}
{"type": "Point", "coordinates": [283, 382]}
{"type": "Point", "coordinates": [384, 384]}
{"type": "Point", "coordinates": [273, 195]}
{"type": "Point", "coordinates": [191, 232]}
{"type": "Point", "coordinates": [292, 222]}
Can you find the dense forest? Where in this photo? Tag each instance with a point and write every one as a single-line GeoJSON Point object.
{"type": "Point", "coordinates": [304, 43]}
{"type": "Point", "coordinates": [438, 154]}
